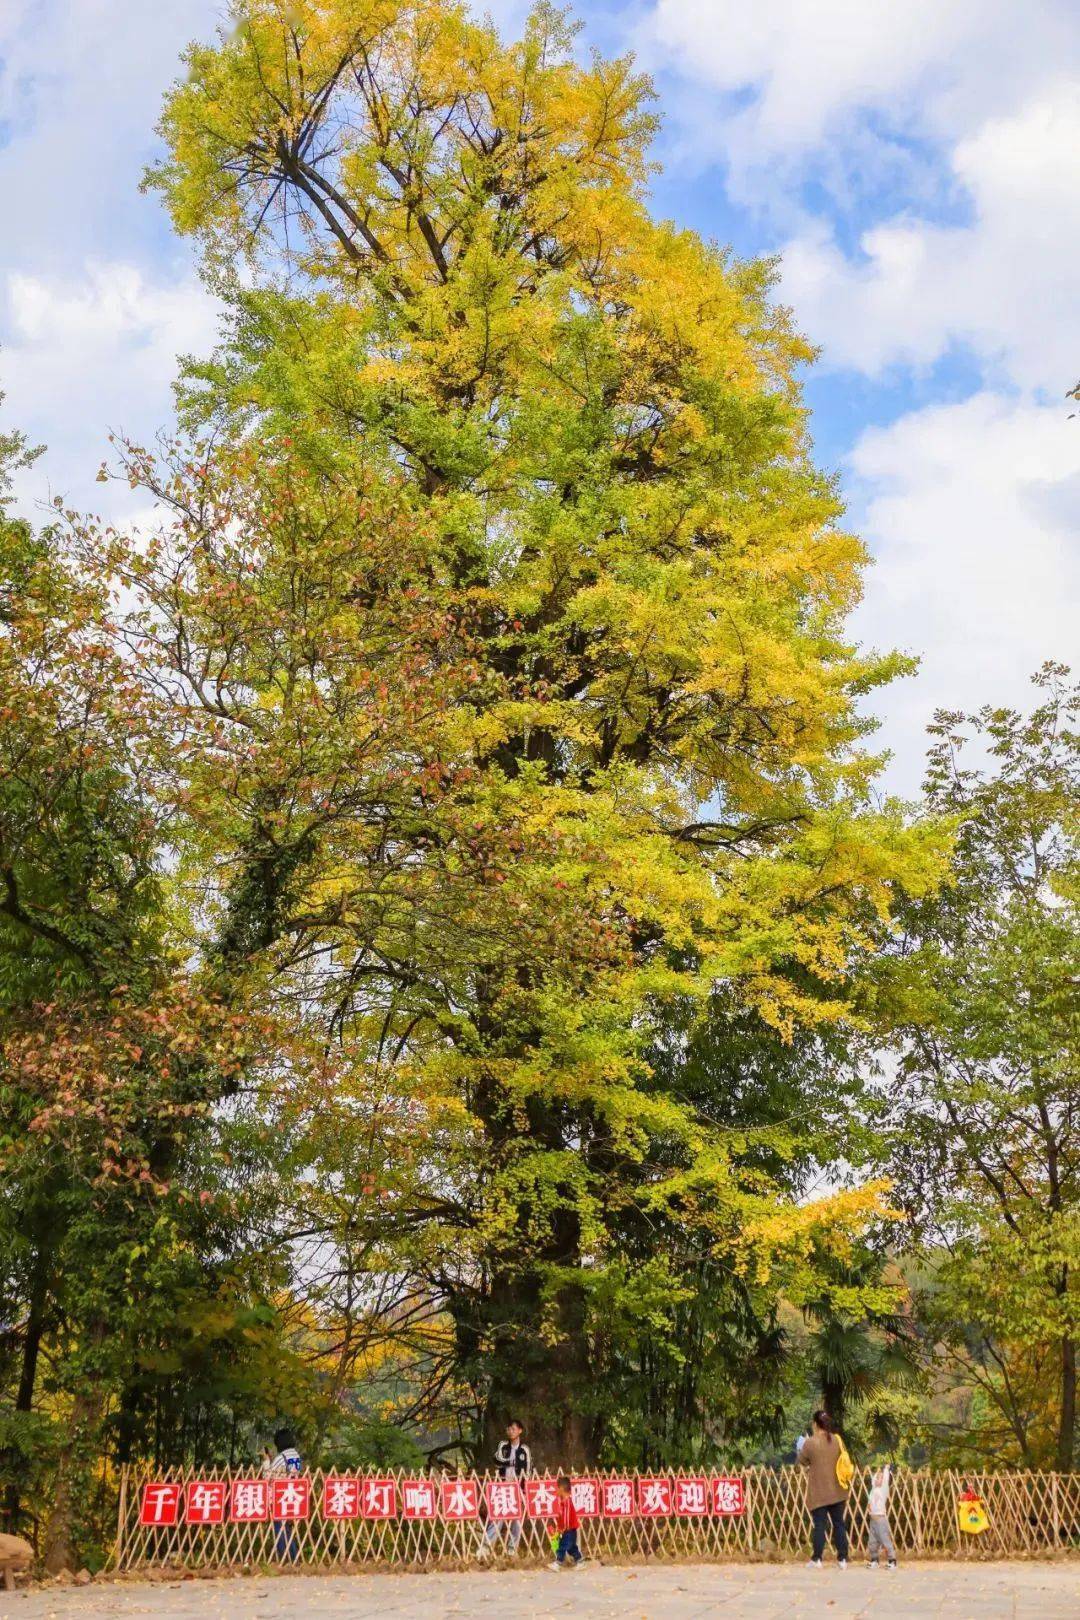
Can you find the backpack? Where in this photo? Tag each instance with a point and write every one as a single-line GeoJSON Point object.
{"type": "Point", "coordinates": [845, 1468]}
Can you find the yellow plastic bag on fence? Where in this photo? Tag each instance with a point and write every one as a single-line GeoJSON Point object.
{"type": "Point", "coordinates": [971, 1514]}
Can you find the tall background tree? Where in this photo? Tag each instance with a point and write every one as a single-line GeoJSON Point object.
{"type": "Point", "coordinates": [127, 1247]}
{"type": "Point", "coordinates": [445, 907]}
{"type": "Point", "coordinates": [456, 295]}
{"type": "Point", "coordinates": [986, 1150]}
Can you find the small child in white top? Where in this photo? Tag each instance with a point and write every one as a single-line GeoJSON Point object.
{"type": "Point", "coordinates": [880, 1534]}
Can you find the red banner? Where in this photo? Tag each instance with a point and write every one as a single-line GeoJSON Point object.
{"type": "Point", "coordinates": [540, 1498]}
{"type": "Point", "coordinates": [617, 1498]}
{"type": "Point", "coordinates": [418, 1499]}
{"type": "Point", "coordinates": [290, 1498]}
{"type": "Point", "coordinates": [160, 1503]}
{"type": "Point", "coordinates": [460, 1499]}
{"type": "Point", "coordinates": [378, 1499]}
{"type": "Point", "coordinates": [249, 1501]}
{"type": "Point", "coordinates": [504, 1500]}
{"type": "Point", "coordinates": [585, 1495]}
{"type": "Point", "coordinates": [691, 1497]}
{"type": "Point", "coordinates": [728, 1498]}
{"type": "Point", "coordinates": [351, 1496]}
{"type": "Point", "coordinates": [204, 1501]}
{"type": "Point", "coordinates": [654, 1498]}
{"type": "Point", "coordinates": [341, 1497]}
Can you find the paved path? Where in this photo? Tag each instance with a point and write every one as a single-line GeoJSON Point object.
{"type": "Point", "coordinates": [658, 1592]}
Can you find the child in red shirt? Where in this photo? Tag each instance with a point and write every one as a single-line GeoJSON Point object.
{"type": "Point", "coordinates": [567, 1523]}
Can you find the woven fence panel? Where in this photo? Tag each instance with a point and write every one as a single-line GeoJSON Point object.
{"type": "Point", "coordinates": [1030, 1514]}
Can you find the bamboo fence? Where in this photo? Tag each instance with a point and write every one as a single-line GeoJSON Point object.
{"type": "Point", "coordinates": [1031, 1514]}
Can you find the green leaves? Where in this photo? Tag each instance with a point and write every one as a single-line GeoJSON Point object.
{"type": "Point", "coordinates": [984, 996]}
{"type": "Point", "coordinates": [507, 630]}
{"type": "Point", "coordinates": [479, 817]}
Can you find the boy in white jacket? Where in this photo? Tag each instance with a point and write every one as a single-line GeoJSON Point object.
{"type": "Point", "coordinates": [880, 1534]}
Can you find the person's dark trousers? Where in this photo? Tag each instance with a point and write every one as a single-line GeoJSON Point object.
{"type": "Point", "coordinates": [285, 1541]}
{"type": "Point", "coordinates": [568, 1547]}
{"type": "Point", "coordinates": [821, 1517]}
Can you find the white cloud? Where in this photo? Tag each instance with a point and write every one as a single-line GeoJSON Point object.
{"type": "Point", "coordinates": [971, 511]}
{"type": "Point", "coordinates": [111, 304]}
{"type": "Point", "coordinates": [949, 128]}
{"type": "Point", "coordinates": [1004, 284]}
{"type": "Point", "coordinates": [797, 73]}
{"type": "Point", "coordinates": [944, 136]}
{"type": "Point", "coordinates": [93, 352]}
{"type": "Point", "coordinates": [96, 297]}
{"type": "Point", "coordinates": [81, 83]}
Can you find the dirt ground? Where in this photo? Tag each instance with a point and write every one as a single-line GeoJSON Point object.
{"type": "Point", "coordinates": [1005, 1591]}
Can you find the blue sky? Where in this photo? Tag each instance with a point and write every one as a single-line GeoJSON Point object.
{"type": "Point", "coordinates": [916, 167]}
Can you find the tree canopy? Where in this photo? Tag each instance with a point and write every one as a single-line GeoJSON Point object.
{"type": "Point", "coordinates": [985, 1144]}
{"type": "Point", "coordinates": [449, 921]}
{"type": "Point", "coordinates": [456, 295]}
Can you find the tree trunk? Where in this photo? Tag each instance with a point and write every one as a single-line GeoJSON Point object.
{"type": "Point", "coordinates": [24, 1396]}
{"type": "Point", "coordinates": [834, 1400]}
{"type": "Point", "coordinates": [546, 1387]}
{"type": "Point", "coordinates": [543, 1379]}
{"type": "Point", "coordinates": [544, 1394]}
{"type": "Point", "coordinates": [546, 1381]}
{"type": "Point", "coordinates": [73, 1472]}
{"type": "Point", "coordinates": [1067, 1427]}
{"type": "Point", "coordinates": [126, 1417]}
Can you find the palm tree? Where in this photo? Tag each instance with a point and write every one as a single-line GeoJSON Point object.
{"type": "Point", "coordinates": [857, 1355]}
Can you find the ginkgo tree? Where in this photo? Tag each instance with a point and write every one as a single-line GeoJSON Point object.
{"type": "Point", "coordinates": [530, 508]}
